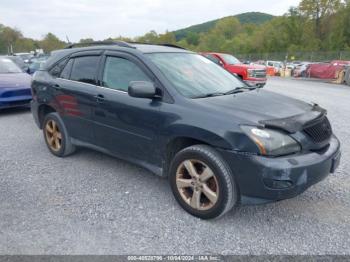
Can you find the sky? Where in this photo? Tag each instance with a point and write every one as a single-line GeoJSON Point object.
{"type": "Point", "coordinates": [100, 19]}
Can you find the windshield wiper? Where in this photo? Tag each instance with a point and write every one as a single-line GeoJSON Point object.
{"type": "Point", "coordinates": [210, 95]}
{"type": "Point", "coordinates": [230, 92]}
{"type": "Point", "coordinates": [238, 90]}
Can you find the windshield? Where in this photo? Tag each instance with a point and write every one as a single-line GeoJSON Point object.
{"type": "Point", "coordinates": [230, 59]}
{"type": "Point", "coordinates": [194, 75]}
{"type": "Point", "coordinates": [7, 66]}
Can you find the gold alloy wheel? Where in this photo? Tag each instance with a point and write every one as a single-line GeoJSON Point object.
{"type": "Point", "coordinates": [197, 184]}
{"type": "Point", "coordinates": [53, 135]}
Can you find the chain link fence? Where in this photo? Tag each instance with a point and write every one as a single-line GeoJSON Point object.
{"type": "Point", "coordinates": [297, 56]}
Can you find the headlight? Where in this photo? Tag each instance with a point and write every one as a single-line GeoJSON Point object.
{"type": "Point", "coordinates": [250, 72]}
{"type": "Point", "coordinates": [271, 142]}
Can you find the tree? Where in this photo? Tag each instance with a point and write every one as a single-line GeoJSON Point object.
{"type": "Point", "coordinates": [346, 24]}
{"type": "Point", "coordinates": [167, 38]}
{"type": "Point", "coordinates": [25, 45]}
{"type": "Point", "coordinates": [192, 38]}
{"type": "Point", "coordinates": [51, 42]}
{"type": "Point", "coordinates": [318, 9]}
{"type": "Point", "coordinates": [150, 37]}
{"type": "Point", "coordinates": [86, 40]}
{"type": "Point", "coordinates": [227, 27]}
{"type": "Point", "coordinates": [8, 37]}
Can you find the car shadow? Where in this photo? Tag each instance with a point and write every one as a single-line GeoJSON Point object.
{"type": "Point", "coordinates": [14, 111]}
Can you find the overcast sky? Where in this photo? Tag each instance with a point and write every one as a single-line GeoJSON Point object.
{"type": "Point", "coordinates": [101, 19]}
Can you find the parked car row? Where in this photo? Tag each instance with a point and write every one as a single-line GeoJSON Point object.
{"type": "Point", "coordinates": [322, 70]}
{"type": "Point", "coordinates": [329, 70]}
{"type": "Point", "coordinates": [14, 85]}
{"type": "Point", "coordinates": [15, 78]}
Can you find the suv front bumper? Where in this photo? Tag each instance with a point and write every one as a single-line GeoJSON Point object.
{"type": "Point", "coordinates": [264, 179]}
{"type": "Point", "coordinates": [256, 82]}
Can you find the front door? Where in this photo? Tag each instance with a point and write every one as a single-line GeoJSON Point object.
{"type": "Point", "coordinates": [126, 126]}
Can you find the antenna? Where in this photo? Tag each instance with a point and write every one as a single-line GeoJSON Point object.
{"type": "Point", "coordinates": [67, 39]}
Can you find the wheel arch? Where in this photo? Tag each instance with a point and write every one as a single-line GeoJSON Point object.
{"type": "Point", "coordinates": [187, 139]}
{"type": "Point", "coordinates": [43, 110]}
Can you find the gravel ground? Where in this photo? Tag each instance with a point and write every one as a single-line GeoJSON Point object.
{"type": "Point", "coordinates": [90, 203]}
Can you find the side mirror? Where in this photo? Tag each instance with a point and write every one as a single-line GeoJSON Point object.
{"type": "Point", "coordinates": [142, 89]}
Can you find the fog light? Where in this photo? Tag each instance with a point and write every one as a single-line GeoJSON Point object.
{"type": "Point", "coordinates": [278, 184]}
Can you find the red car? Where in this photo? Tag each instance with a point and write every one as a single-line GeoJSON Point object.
{"type": "Point", "coordinates": [253, 75]}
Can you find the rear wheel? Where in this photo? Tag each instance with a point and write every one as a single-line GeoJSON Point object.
{"type": "Point", "coordinates": [202, 182]}
{"type": "Point", "coordinates": [56, 136]}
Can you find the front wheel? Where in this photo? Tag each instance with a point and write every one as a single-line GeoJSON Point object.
{"type": "Point", "coordinates": [202, 183]}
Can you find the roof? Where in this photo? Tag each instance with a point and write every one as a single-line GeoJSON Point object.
{"type": "Point", "coordinates": [136, 48]}
{"type": "Point", "coordinates": [143, 47]}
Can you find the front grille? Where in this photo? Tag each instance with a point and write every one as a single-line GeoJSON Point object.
{"type": "Point", "coordinates": [260, 73]}
{"type": "Point", "coordinates": [319, 131]}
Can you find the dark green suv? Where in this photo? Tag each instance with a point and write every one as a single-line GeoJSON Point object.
{"type": "Point", "coordinates": [181, 116]}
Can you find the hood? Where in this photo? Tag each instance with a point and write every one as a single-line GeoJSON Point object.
{"type": "Point", "coordinates": [15, 80]}
{"type": "Point", "coordinates": [260, 107]}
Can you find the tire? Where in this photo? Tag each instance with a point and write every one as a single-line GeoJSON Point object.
{"type": "Point", "coordinates": [59, 144]}
{"type": "Point", "coordinates": [221, 182]}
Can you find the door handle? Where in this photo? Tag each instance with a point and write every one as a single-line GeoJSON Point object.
{"type": "Point", "coordinates": [56, 86]}
{"type": "Point", "coordinates": [100, 98]}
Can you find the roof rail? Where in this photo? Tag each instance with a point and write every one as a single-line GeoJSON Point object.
{"type": "Point", "coordinates": [165, 44]}
{"type": "Point", "coordinates": [172, 45]}
{"type": "Point", "coordinates": [118, 43]}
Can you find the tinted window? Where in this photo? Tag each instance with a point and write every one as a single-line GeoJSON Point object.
{"type": "Point", "coordinates": [213, 58]}
{"type": "Point", "coordinates": [57, 69]}
{"type": "Point", "coordinates": [119, 72]}
{"type": "Point", "coordinates": [66, 71]}
{"type": "Point", "coordinates": [84, 69]}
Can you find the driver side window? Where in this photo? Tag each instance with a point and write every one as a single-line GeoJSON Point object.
{"type": "Point", "coordinates": [119, 72]}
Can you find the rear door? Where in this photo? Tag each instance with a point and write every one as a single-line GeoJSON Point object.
{"type": "Point", "coordinates": [76, 94]}
{"type": "Point", "coordinates": [125, 125]}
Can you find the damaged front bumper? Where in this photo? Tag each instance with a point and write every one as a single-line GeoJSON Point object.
{"type": "Point", "coordinates": [264, 179]}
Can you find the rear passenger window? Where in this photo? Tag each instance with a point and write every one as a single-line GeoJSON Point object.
{"type": "Point", "coordinates": [66, 70]}
{"type": "Point", "coordinates": [84, 69]}
{"type": "Point", "coordinates": [119, 72]}
{"type": "Point", "coordinates": [57, 69]}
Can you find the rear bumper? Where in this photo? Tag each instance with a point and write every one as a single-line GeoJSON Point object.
{"type": "Point", "coordinates": [261, 179]}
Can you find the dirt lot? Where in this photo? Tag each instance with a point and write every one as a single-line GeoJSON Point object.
{"type": "Point", "coordinates": [90, 203]}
